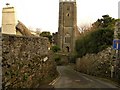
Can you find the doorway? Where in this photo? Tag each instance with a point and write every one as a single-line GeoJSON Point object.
{"type": "Point", "coordinates": [68, 49]}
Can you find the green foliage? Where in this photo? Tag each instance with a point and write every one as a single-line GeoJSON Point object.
{"type": "Point", "coordinates": [99, 38]}
{"type": "Point", "coordinates": [55, 48]}
{"type": "Point", "coordinates": [94, 42]}
{"type": "Point", "coordinates": [105, 22]}
{"type": "Point", "coordinates": [72, 58]}
{"type": "Point", "coordinates": [48, 35]}
{"type": "Point", "coordinates": [57, 59]}
{"type": "Point", "coordinates": [118, 35]}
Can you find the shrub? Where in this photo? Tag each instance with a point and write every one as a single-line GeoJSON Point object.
{"type": "Point", "coordinates": [94, 41]}
{"type": "Point", "coordinates": [55, 48]}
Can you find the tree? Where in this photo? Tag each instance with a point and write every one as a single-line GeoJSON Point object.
{"type": "Point", "coordinates": [105, 22]}
{"type": "Point", "coordinates": [98, 38]}
{"type": "Point", "coordinates": [38, 31]}
{"type": "Point", "coordinates": [84, 27]}
{"type": "Point", "coordinates": [47, 34]}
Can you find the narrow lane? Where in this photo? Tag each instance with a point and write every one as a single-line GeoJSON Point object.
{"type": "Point", "coordinates": [69, 78]}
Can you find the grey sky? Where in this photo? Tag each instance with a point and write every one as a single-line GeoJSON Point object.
{"type": "Point", "coordinates": [44, 13]}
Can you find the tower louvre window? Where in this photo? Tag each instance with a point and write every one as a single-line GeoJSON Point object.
{"type": "Point", "coordinates": [68, 14]}
{"type": "Point", "coordinates": [68, 8]}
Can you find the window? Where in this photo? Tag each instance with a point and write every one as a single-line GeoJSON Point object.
{"type": "Point", "coordinates": [68, 8]}
{"type": "Point", "coordinates": [67, 39]}
{"type": "Point", "coordinates": [67, 14]}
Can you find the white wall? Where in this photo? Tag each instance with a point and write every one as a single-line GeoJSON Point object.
{"type": "Point", "coordinates": [8, 20]}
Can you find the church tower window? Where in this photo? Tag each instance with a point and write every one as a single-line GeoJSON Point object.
{"type": "Point", "coordinates": [68, 14]}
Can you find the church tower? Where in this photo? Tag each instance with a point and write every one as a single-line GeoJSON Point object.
{"type": "Point", "coordinates": [67, 30]}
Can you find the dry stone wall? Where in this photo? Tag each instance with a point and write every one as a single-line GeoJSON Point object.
{"type": "Point", "coordinates": [26, 61]}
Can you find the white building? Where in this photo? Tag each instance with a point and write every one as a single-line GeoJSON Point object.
{"type": "Point", "coordinates": [9, 21]}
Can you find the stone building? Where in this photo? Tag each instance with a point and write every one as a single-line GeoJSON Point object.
{"type": "Point", "coordinates": [67, 30]}
{"type": "Point", "coordinates": [55, 38]}
{"type": "Point", "coordinates": [9, 20]}
{"type": "Point", "coordinates": [22, 30]}
{"type": "Point", "coordinates": [10, 24]}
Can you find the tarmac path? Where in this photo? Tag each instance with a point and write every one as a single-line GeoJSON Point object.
{"type": "Point", "coordinates": [69, 78]}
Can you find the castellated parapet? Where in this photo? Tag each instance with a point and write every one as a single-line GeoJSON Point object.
{"type": "Point", "coordinates": [8, 20]}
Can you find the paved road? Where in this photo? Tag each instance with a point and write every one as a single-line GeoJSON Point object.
{"type": "Point", "coordinates": [69, 78]}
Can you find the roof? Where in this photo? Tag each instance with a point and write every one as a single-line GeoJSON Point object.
{"type": "Point", "coordinates": [23, 29]}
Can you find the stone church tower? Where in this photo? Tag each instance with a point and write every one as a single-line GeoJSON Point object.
{"type": "Point", "coordinates": [67, 31]}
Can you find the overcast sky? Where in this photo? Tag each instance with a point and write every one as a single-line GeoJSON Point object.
{"type": "Point", "coordinates": [44, 13]}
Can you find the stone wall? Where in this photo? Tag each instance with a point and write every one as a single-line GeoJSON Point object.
{"type": "Point", "coordinates": [0, 61]}
{"type": "Point", "coordinates": [96, 64]}
{"type": "Point", "coordinates": [26, 61]}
